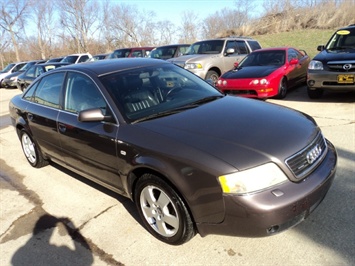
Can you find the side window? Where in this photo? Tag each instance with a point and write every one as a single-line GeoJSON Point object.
{"type": "Point", "coordinates": [242, 47]}
{"type": "Point", "coordinates": [292, 55]}
{"type": "Point", "coordinates": [82, 93]}
{"type": "Point", "coordinates": [137, 53]}
{"type": "Point", "coordinates": [17, 68]}
{"type": "Point", "coordinates": [84, 58]}
{"type": "Point", "coordinates": [30, 91]}
{"type": "Point", "coordinates": [183, 50]}
{"type": "Point", "coordinates": [31, 72]}
{"type": "Point", "coordinates": [254, 45]}
{"type": "Point", "coordinates": [48, 90]}
{"type": "Point", "coordinates": [232, 44]}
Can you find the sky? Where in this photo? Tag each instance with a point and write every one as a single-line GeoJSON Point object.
{"type": "Point", "coordinates": [172, 10]}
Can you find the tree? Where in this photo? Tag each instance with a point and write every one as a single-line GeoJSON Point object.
{"type": "Point", "coordinates": [43, 17]}
{"type": "Point", "coordinates": [189, 29]}
{"type": "Point", "coordinates": [13, 14]}
{"type": "Point", "coordinates": [80, 19]}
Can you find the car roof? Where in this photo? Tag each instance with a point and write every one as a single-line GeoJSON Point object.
{"type": "Point", "coordinates": [351, 26]}
{"type": "Point", "coordinates": [281, 48]}
{"type": "Point", "coordinates": [104, 67]}
{"type": "Point", "coordinates": [135, 48]}
{"type": "Point", "coordinates": [54, 64]}
{"type": "Point", "coordinates": [174, 45]}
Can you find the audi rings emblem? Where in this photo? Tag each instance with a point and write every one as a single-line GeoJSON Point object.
{"type": "Point", "coordinates": [313, 154]}
{"type": "Point", "coordinates": [347, 67]}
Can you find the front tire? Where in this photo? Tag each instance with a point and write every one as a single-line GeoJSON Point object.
{"type": "Point", "coordinates": [212, 75]}
{"type": "Point", "coordinates": [162, 210]}
{"type": "Point", "coordinates": [31, 151]}
{"type": "Point", "coordinates": [282, 89]}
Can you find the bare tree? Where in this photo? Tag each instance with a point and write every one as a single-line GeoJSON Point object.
{"type": "Point", "coordinates": [189, 27]}
{"type": "Point", "coordinates": [79, 18]}
{"type": "Point", "coordinates": [167, 32]}
{"type": "Point", "coordinates": [12, 16]}
{"type": "Point", "coordinates": [3, 45]}
{"type": "Point", "coordinates": [43, 14]}
{"type": "Point", "coordinates": [129, 27]}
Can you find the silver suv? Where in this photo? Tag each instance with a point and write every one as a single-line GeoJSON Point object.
{"type": "Point", "coordinates": [333, 68]}
{"type": "Point", "coordinates": [209, 59]}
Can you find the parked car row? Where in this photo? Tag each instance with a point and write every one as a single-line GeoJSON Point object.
{"type": "Point", "coordinates": [191, 156]}
{"type": "Point", "coordinates": [239, 66]}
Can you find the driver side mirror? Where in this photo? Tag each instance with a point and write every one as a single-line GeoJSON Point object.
{"type": "Point", "coordinates": [320, 48]}
{"type": "Point", "coordinates": [230, 51]}
{"type": "Point", "coordinates": [93, 115]}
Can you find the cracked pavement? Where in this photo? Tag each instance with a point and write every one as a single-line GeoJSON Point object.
{"type": "Point", "coordinates": [52, 216]}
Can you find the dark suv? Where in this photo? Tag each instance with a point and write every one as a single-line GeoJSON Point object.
{"type": "Point", "coordinates": [334, 67]}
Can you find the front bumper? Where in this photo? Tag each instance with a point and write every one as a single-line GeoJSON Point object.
{"type": "Point", "coordinates": [277, 209]}
{"type": "Point", "coordinates": [8, 83]}
{"type": "Point", "coordinates": [328, 80]}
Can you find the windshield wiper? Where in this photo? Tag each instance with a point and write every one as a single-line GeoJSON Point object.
{"type": "Point", "coordinates": [164, 113]}
{"type": "Point", "coordinates": [179, 109]}
{"type": "Point", "coordinates": [341, 48]}
{"type": "Point", "coordinates": [206, 99]}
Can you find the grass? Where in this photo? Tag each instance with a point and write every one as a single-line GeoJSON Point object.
{"type": "Point", "coordinates": [307, 40]}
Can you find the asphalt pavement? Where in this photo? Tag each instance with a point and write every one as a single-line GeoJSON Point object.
{"type": "Point", "coordinates": [50, 216]}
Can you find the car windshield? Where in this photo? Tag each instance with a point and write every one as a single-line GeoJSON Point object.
{"type": "Point", "coordinates": [26, 66]}
{"type": "Point", "coordinates": [342, 39]}
{"type": "Point", "coordinates": [7, 68]}
{"type": "Point", "coordinates": [163, 52]}
{"type": "Point", "coordinates": [70, 59]}
{"type": "Point", "coordinates": [156, 91]}
{"type": "Point", "coordinates": [121, 53]}
{"type": "Point", "coordinates": [266, 58]}
{"type": "Point", "coordinates": [206, 47]}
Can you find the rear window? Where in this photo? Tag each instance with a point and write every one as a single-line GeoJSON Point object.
{"type": "Point", "coordinates": [254, 45]}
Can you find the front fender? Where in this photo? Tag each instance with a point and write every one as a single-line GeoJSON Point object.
{"type": "Point", "coordinates": [204, 201]}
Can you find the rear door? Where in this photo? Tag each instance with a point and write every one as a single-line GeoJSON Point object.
{"type": "Point", "coordinates": [43, 113]}
{"type": "Point", "coordinates": [89, 147]}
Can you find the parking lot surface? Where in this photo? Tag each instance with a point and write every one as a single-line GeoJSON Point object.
{"type": "Point", "coordinates": [50, 216]}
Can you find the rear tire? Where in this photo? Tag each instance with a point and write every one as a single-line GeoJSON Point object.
{"type": "Point", "coordinates": [162, 211]}
{"type": "Point", "coordinates": [314, 94]}
{"type": "Point", "coordinates": [31, 151]}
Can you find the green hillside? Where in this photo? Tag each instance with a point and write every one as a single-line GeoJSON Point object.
{"type": "Point", "coordinates": [307, 40]}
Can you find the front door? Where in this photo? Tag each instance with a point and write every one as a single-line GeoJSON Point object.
{"type": "Point", "coordinates": [89, 147]}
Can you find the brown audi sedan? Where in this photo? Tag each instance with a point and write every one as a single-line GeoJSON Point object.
{"type": "Point", "coordinates": [192, 159]}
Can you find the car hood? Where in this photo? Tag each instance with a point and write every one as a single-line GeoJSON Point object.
{"type": "Point", "coordinates": [335, 55]}
{"type": "Point", "coordinates": [192, 58]}
{"type": "Point", "coordinates": [250, 72]}
{"type": "Point", "coordinates": [241, 132]}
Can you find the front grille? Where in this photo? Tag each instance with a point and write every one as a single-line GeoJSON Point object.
{"type": "Point", "coordinates": [240, 92]}
{"type": "Point", "coordinates": [306, 160]}
{"type": "Point", "coordinates": [338, 66]}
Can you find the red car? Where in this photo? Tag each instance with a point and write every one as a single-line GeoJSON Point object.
{"type": "Point", "coordinates": [266, 73]}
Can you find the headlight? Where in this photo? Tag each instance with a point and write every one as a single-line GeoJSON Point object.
{"type": "Point", "coordinates": [252, 180]}
{"type": "Point", "coordinates": [315, 65]}
{"type": "Point", "coordinates": [259, 81]}
{"type": "Point", "coordinates": [221, 82]}
{"type": "Point", "coordinates": [13, 78]}
{"type": "Point", "coordinates": [193, 66]}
